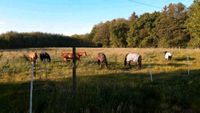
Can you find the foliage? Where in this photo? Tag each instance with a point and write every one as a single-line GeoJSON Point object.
{"type": "Point", "coordinates": [193, 24]}
{"type": "Point", "coordinates": [119, 29]}
{"type": "Point", "coordinates": [37, 39]}
{"type": "Point", "coordinates": [171, 27]}
{"type": "Point", "coordinates": [158, 29]}
{"type": "Point", "coordinates": [102, 34]}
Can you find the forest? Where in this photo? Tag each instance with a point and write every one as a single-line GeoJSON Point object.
{"type": "Point", "coordinates": [174, 27]}
{"type": "Point", "coordinates": [14, 40]}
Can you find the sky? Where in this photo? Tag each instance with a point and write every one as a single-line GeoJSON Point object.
{"type": "Point", "coordinates": [70, 17]}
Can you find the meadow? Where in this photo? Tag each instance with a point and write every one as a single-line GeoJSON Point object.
{"type": "Point", "coordinates": [100, 90]}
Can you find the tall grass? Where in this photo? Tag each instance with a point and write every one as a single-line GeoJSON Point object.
{"type": "Point", "coordinates": [113, 90]}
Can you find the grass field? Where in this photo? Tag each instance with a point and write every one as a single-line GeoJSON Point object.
{"type": "Point", "coordinates": [113, 90]}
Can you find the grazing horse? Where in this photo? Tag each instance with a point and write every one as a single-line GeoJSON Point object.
{"type": "Point", "coordinates": [101, 60]}
{"type": "Point", "coordinates": [44, 56]}
{"type": "Point", "coordinates": [135, 57]}
{"type": "Point", "coordinates": [168, 55]}
{"type": "Point", "coordinates": [33, 56]}
{"type": "Point", "coordinates": [69, 56]}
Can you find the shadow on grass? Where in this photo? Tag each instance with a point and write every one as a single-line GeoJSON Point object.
{"type": "Point", "coordinates": [118, 66]}
{"type": "Point", "coordinates": [184, 58]}
{"type": "Point", "coordinates": [121, 92]}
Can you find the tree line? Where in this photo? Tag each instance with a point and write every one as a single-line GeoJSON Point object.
{"type": "Point", "coordinates": [13, 40]}
{"type": "Point", "coordinates": [174, 26]}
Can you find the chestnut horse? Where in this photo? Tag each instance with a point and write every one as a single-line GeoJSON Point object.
{"type": "Point", "coordinates": [69, 55]}
{"type": "Point", "coordinates": [101, 60]}
{"type": "Point", "coordinates": [33, 56]}
{"type": "Point", "coordinates": [135, 57]}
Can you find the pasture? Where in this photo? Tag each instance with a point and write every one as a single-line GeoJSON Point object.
{"type": "Point", "coordinates": [100, 90]}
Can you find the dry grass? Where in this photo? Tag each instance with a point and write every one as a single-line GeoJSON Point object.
{"type": "Point", "coordinates": [113, 90]}
{"type": "Point", "coordinates": [16, 68]}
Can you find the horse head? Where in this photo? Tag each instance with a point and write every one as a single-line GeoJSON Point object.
{"type": "Point", "coordinates": [101, 60]}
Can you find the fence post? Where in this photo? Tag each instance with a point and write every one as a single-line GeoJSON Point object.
{"type": "Point", "coordinates": [31, 86]}
{"type": "Point", "coordinates": [150, 73]}
{"type": "Point", "coordinates": [74, 70]}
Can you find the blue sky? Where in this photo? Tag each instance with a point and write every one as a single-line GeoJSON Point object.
{"type": "Point", "coordinates": [71, 16]}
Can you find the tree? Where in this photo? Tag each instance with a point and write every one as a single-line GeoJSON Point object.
{"type": "Point", "coordinates": [132, 33]}
{"type": "Point", "coordinates": [170, 28]}
{"type": "Point", "coordinates": [102, 34]}
{"type": "Point", "coordinates": [118, 30]}
{"type": "Point", "coordinates": [193, 24]}
{"type": "Point", "coordinates": [142, 33]}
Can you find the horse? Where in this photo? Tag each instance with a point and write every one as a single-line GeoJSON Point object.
{"type": "Point", "coordinates": [69, 56]}
{"type": "Point", "coordinates": [44, 56]}
{"type": "Point", "coordinates": [33, 56]}
{"type": "Point", "coordinates": [101, 60]}
{"type": "Point", "coordinates": [168, 55]}
{"type": "Point", "coordinates": [135, 57]}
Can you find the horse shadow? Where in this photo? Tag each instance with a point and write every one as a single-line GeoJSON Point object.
{"type": "Point", "coordinates": [118, 66]}
{"type": "Point", "coordinates": [162, 65]}
{"type": "Point", "coordinates": [184, 58]}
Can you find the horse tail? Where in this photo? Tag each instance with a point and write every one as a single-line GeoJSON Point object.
{"type": "Point", "coordinates": [48, 57]}
{"type": "Point", "coordinates": [36, 56]}
{"type": "Point", "coordinates": [140, 62]}
{"type": "Point", "coordinates": [105, 60]}
{"type": "Point", "coordinates": [125, 60]}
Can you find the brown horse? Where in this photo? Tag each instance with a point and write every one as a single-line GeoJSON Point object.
{"type": "Point", "coordinates": [69, 55]}
{"type": "Point", "coordinates": [33, 56]}
{"type": "Point", "coordinates": [101, 60]}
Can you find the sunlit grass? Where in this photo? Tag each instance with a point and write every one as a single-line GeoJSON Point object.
{"type": "Point", "coordinates": [113, 90]}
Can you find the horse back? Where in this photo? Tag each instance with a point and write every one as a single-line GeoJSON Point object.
{"type": "Point", "coordinates": [33, 56]}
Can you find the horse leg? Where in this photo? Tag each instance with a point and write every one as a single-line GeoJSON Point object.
{"type": "Point", "coordinates": [129, 65]}
{"type": "Point", "coordinates": [106, 63]}
{"type": "Point", "coordinates": [101, 64]}
{"type": "Point", "coordinates": [139, 63]}
{"type": "Point", "coordinates": [65, 60]}
{"type": "Point", "coordinates": [98, 61]}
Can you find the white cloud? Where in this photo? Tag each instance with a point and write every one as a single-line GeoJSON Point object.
{"type": "Point", "coordinates": [2, 23]}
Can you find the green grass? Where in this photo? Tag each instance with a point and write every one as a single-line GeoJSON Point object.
{"type": "Point", "coordinates": [112, 90]}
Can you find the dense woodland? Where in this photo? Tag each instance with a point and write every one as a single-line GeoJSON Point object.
{"type": "Point", "coordinates": [36, 39]}
{"type": "Point", "coordinates": [174, 26]}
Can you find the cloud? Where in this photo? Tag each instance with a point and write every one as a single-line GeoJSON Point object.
{"type": "Point", "coordinates": [2, 23]}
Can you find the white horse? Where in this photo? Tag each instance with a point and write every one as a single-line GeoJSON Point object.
{"type": "Point", "coordinates": [168, 55]}
{"type": "Point", "coordinates": [135, 57]}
